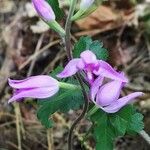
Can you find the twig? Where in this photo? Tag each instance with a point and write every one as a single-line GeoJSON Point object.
{"type": "Point", "coordinates": [66, 124]}
{"type": "Point", "coordinates": [36, 50]}
{"type": "Point", "coordinates": [17, 112]}
{"type": "Point", "coordinates": [38, 53]}
{"type": "Point", "coordinates": [50, 139]}
{"type": "Point", "coordinates": [145, 136]}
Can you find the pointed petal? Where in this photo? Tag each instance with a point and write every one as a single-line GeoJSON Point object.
{"type": "Point", "coordinates": [70, 69]}
{"type": "Point", "coordinates": [88, 57]}
{"type": "Point", "coordinates": [117, 105]}
{"type": "Point", "coordinates": [35, 93]}
{"type": "Point", "coordinates": [33, 82]}
{"type": "Point", "coordinates": [108, 93]}
{"type": "Point", "coordinates": [95, 87]}
{"type": "Point", "coordinates": [107, 71]}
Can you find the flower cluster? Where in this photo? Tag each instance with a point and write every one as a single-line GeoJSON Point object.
{"type": "Point", "coordinates": [106, 83]}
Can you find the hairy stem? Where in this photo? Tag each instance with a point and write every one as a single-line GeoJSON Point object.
{"type": "Point", "coordinates": [67, 42]}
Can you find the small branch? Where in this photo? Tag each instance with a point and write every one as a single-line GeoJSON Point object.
{"type": "Point", "coordinates": [50, 139]}
{"type": "Point", "coordinates": [17, 112]}
{"type": "Point", "coordinates": [145, 136]}
{"type": "Point", "coordinates": [38, 46]}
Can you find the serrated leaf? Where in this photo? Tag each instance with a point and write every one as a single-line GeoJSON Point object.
{"type": "Point", "coordinates": [63, 101]}
{"type": "Point", "coordinates": [97, 48]}
{"type": "Point", "coordinates": [86, 43]}
{"type": "Point", "coordinates": [119, 124]}
{"type": "Point", "coordinates": [109, 126]}
{"type": "Point", "coordinates": [103, 133]}
{"type": "Point", "coordinates": [81, 45]}
{"type": "Point", "coordinates": [55, 6]}
{"type": "Point", "coordinates": [136, 123]}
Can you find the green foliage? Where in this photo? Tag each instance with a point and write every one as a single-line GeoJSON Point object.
{"type": "Point", "coordinates": [86, 43]}
{"type": "Point", "coordinates": [55, 6]}
{"type": "Point", "coordinates": [109, 126]}
{"type": "Point", "coordinates": [63, 101]}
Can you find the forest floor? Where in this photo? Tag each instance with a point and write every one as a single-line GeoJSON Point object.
{"type": "Point", "coordinates": [28, 47]}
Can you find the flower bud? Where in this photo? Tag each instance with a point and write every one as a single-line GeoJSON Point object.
{"type": "Point", "coordinates": [85, 8]}
{"type": "Point", "coordinates": [44, 10]}
{"type": "Point", "coordinates": [85, 4]}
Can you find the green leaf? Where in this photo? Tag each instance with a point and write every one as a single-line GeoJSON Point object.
{"type": "Point", "coordinates": [136, 124]}
{"type": "Point", "coordinates": [120, 125]}
{"type": "Point", "coordinates": [103, 132]}
{"type": "Point", "coordinates": [55, 6]}
{"type": "Point", "coordinates": [63, 101]}
{"type": "Point", "coordinates": [86, 43]}
{"type": "Point", "coordinates": [107, 127]}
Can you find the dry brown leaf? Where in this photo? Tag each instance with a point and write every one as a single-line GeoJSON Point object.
{"type": "Point", "coordinates": [104, 17]}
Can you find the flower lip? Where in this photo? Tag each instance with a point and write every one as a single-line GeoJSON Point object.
{"type": "Point", "coordinates": [109, 93]}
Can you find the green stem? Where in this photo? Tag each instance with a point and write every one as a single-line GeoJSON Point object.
{"type": "Point", "coordinates": [78, 15]}
{"type": "Point", "coordinates": [68, 86]}
{"type": "Point", "coordinates": [67, 29]}
{"type": "Point", "coordinates": [92, 111]}
{"type": "Point", "coordinates": [56, 27]}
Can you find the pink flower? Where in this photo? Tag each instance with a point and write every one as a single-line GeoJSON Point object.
{"type": "Point", "coordinates": [41, 86]}
{"type": "Point", "coordinates": [44, 10]}
{"type": "Point", "coordinates": [92, 67]}
{"type": "Point", "coordinates": [107, 95]}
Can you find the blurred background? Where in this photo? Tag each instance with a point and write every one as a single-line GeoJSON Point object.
{"type": "Point", "coordinates": [28, 47]}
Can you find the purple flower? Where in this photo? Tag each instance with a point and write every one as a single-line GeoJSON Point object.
{"type": "Point", "coordinates": [92, 67]}
{"type": "Point", "coordinates": [44, 10]}
{"type": "Point", "coordinates": [107, 95]}
{"type": "Point", "coordinates": [41, 86]}
{"type": "Point", "coordinates": [85, 4]}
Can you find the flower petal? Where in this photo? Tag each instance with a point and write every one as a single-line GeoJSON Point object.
{"type": "Point", "coordinates": [44, 10]}
{"type": "Point", "coordinates": [33, 82]}
{"type": "Point", "coordinates": [107, 71]}
{"type": "Point", "coordinates": [117, 105]}
{"type": "Point", "coordinates": [70, 69]}
{"type": "Point", "coordinates": [108, 93]}
{"type": "Point", "coordinates": [95, 87]}
{"type": "Point", "coordinates": [35, 93]}
{"type": "Point", "coordinates": [88, 57]}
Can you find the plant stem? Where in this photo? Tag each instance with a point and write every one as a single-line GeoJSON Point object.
{"type": "Point", "coordinates": [69, 86]}
{"type": "Point", "coordinates": [67, 42]}
{"type": "Point", "coordinates": [145, 136]}
{"type": "Point", "coordinates": [85, 108]}
{"type": "Point", "coordinates": [92, 111]}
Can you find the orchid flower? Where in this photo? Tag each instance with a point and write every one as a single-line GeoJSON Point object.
{"type": "Point", "coordinates": [92, 67]}
{"type": "Point", "coordinates": [41, 86]}
{"type": "Point", "coordinates": [107, 95]}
